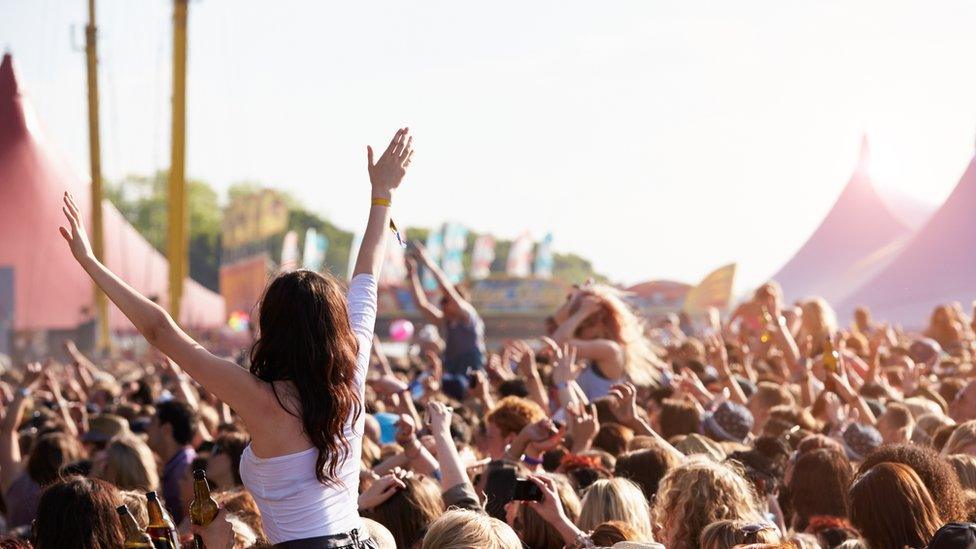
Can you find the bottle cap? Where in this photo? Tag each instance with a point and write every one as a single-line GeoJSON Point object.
{"type": "Point", "coordinates": [199, 474]}
{"type": "Point", "coordinates": [151, 496]}
{"type": "Point", "coordinates": [122, 510]}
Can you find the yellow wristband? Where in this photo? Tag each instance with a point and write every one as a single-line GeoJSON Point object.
{"type": "Point", "coordinates": [381, 202]}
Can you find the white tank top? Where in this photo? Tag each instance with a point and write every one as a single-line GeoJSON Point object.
{"type": "Point", "coordinates": [293, 503]}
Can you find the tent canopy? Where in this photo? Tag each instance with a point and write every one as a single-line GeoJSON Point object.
{"type": "Point", "coordinates": [50, 291]}
{"type": "Point", "coordinates": [857, 238]}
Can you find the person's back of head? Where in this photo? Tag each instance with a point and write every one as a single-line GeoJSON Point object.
{"type": "Point", "coordinates": [129, 465]}
{"type": "Point", "coordinates": [726, 534]}
{"type": "Point", "coordinates": [305, 338]}
{"type": "Point", "coordinates": [409, 512]}
{"type": "Point", "coordinates": [536, 531]}
{"type": "Point", "coordinates": [613, 531]}
{"type": "Point", "coordinates": [78, 513]}
{"type": "Point", "coordinates": [896, 423]}
{"type": "Point", "coordinates": [962, 440]}
{"type": "Point", "coordinates": [646, 468]}
{"type": "Point", "coordinates": [49, 454]}
{"type": "Point", "coordinates": [175, 420]}
{"type": "Point", "coordinates": [461, 529]}
{"type": "Point", "coordinates": [678, 417]}
{"type": "Point", "coordinates": [613, 438]}
{"type": "Point", "coordinates": [965, 467]}
{"type": "Point", "coordinates": [697, 493]}
{"type": "Point", "coordinates": [891, 507]}
{"type": "Point", "coordinates": [938, 476]}
{"type": "Point", "coordinates": [616, 499]}
{"type": "Point", "coordinates": [818, 486]}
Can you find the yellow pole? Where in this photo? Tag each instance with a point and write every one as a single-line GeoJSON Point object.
{"type": "Point", "coordinates": [177, 238]}
{"type": "Point", "coordinates": [95, 158]}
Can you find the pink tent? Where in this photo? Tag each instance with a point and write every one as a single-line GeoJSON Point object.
{"type": "Point", "coordinates": [50, 291]}
{"type": "Point", "coordinates": [937, 266]}
{"type": "Point", "coordinates": [857, 238]}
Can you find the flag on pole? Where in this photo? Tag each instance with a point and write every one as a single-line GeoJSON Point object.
{"type": "Point", "coordinates": [715, 290]}
{"type": "Point", "coordinates": [520, 257]}
{"type": "Point", "coordinates": [455, 241]}
{"type": "Point", "coordinates": [289, 252]}
{"type": "Point", "coordinates": [543, 258]}
{"type": "Point", "coordinates": [482, 257]}
{"type": "Point", "coordinates": [435, 248]}
{"type": "Point", "coordinates": [313, 258]}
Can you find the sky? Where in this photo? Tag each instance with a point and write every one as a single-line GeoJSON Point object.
{"type": "Point", "coordinates": [659, 139]}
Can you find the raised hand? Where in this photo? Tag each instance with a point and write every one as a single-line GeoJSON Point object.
{"type": "Point", "coordinates": [623, 402]}
{"type": "Point", "coordinates": [386, 173]}
{"type": "Point", "coordinates": [439, 417]}
{"type": "Point", "coordinates": [380, 490]}
{"type": "Point", "coordinates": [566, 369]}
{"type": "Point", "coordinates": [75, 234]}
{"type": "Point", "coordinates": [387, 385]}
{"type": "Point", "coordinates": [583, 426]}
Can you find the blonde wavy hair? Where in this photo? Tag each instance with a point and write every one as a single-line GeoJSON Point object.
{"type": "Point", "coordinates": [726, 534]}
{"type": "Point", "coordinates": [965, 466]}
{"type": "Point", "coordinates": [130, 465]}
{"type": "Point", "coordinates": [819, 320]}
{"type": "Point", "coordinates": [641, 364]}
{"type": "Point", "coordinates": [461, 529]}
{"type": "Point", "coordinates": [962, 438]}
{"type": "Point", "coordinates": [616, 499]}
{"type": "Point", "coordinates": [696, 494]}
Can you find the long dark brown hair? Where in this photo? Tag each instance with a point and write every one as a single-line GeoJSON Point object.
{"type": "Point", "coordinates": [305, 337]}
{"type": "Point", "coordinates": [891, 507]}
{"type": "Point", "coordinates": [78, 513]}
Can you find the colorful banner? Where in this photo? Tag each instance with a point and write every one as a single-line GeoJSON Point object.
{"type": "Point", "coordinates": [394, 264]}
{"type": "Point", "coordinates": [482, 257]}
{"type": "Point", "coordinates": [715, 290]}
{"type": "Point", "coordinates": [455, 241]}
{"type": "Point", "coordinates": [519, 262]}
{"type": "Point", "coordinates": [316, 245]}
{"type": "Point", "coordinates": [289, 252]}
{"type": "Point", "coordinates": [243, 282]}
{"type": "Point", "coordinates": [543, 258]}
{"type": "Point", "coordinates": [435, 248]}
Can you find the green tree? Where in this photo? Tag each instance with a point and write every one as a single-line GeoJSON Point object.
{"type": "Point", "coordinates": [143, 200]}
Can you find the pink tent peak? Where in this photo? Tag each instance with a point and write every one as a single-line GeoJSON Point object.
{"type": "Point", "coordinates": [856, 238]}
{"type": "Point", "coordinates": [50, 291]}
{"type": "Point", "coordinates": [938, 265]}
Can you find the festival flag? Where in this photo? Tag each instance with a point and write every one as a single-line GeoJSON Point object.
{"type": "Point", "coordinates": [715, 290]}
{"type": "Point", "coordinates": [543, 258]}
{"type": "Point", "coordinates": [394, 264]}
{"type": "Point", "coordinates": [519, 262]}
{"type": "Point", "coordinates": [455, 241]}
{"type": "Point", "coordinates": [316, 245]}
{"type": "Point", "coordinates": [289, 252]}
{"type": "Point", "coordinates": [482, 257]}
{"type": "Point", "coordinates": [357, 241]}
{"type": "Point", "coordinates": [435, 248]}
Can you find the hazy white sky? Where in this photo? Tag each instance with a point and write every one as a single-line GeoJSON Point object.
{"type": "Point", "coordinates": [659, 139]}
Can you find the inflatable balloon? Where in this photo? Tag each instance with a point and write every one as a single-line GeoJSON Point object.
{"type": "Point", "coordinates": [401, 330]}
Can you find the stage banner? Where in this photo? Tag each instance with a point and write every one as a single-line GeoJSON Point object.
{"type": "Point", "coordinates": [715, 290]}
{"type": "Point", "coordinates": [435, 249]}
{"type": "Point", "coordinates": [316, 246]}
{"type": "Point", "coordinates": [253, 218]}
{"type": "Point", "coordinates": [482, 257]}
{"type": "Point", "coordinates": [394, 265]}
{"type": "Point", "coordinates": [289, 252]}
{"type": "Point", "coordinates": [543, 258]}
{"type": "Point", "coordinates": [519, 263]}
{"type": "Point", "coordinates": [455, 241]}
{"type": "Point", "coordinates": [243, 282]}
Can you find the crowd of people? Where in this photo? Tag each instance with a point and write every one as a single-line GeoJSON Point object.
{"type": "Point", "coordinates": [771, 427]}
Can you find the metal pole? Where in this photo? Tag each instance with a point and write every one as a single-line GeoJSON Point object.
{"type": "Point", "coordinates": [95, 159]}
{"type": "Point", "coordinates": [177, 236]}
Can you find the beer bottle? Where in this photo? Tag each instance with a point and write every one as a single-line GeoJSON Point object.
{"type": "Point", "coordinates": [831, 358]}
{"type": "Point", "coordinates": [767, 318]}
{"type": "Point", "coordinates": [203, 508]}
{"type": "Point", "coordinates": [134, 536]}
{"type": "Point", "coordinates": [161, 528]}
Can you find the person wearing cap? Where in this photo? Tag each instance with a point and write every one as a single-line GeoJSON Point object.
{"type": "Point", "coordinates": [102, 429]}
{"type": "Point", "coordinates": [955, 535]}
{"type": "Point", "coordinates": [859, 440]}
{"type": "Point", "coordinates": [730, 422]}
